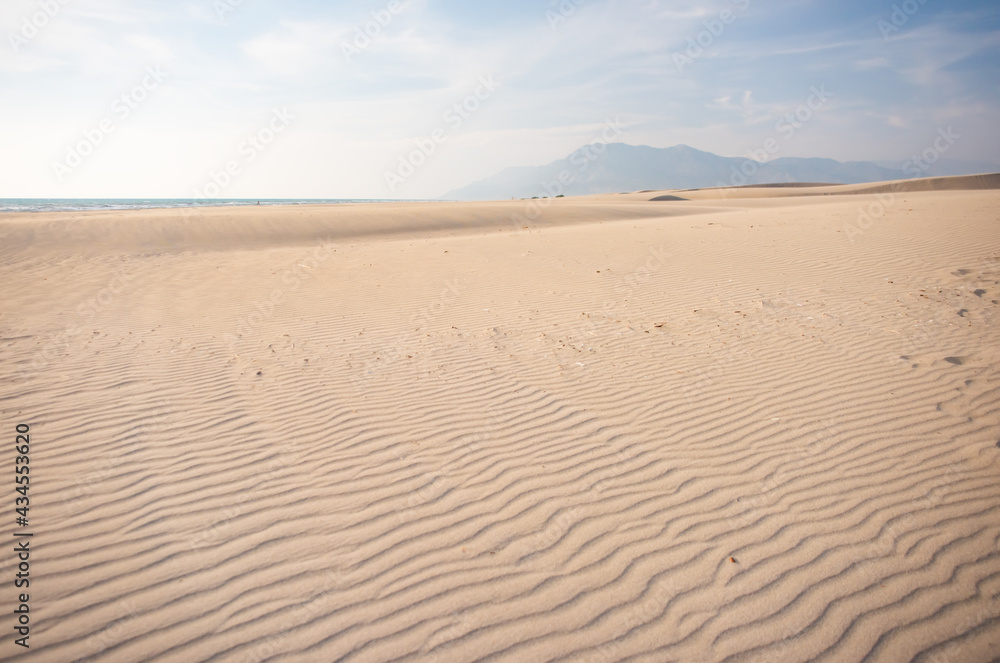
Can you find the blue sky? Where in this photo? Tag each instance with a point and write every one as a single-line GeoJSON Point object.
{"type": "Point", "coordinates": [555, 73]}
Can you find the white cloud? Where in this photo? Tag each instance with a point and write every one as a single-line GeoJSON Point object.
{"type": "Point", "coordinates": [157, 49]}
{"type": "Point", "coordinates": [293, 48]}
{"type": "Point", "coordinates": [872, 63]}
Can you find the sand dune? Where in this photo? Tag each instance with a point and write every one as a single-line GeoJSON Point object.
{"type": "Point", "coordinates": [751, 429]}
{"type": "Point", "coordinates": [226, 228]}
{"type": "Point", "coordinates": [798, 190]}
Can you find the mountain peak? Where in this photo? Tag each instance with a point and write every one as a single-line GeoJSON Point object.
{"type": "Point", "coordinates": [620, 167]}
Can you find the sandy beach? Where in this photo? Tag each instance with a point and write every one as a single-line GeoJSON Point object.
{"type": "Point", "coordinates": [756, 424]}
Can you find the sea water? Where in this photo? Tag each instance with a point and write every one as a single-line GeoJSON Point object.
{"type": "Point", "coordinates": [91, 204]}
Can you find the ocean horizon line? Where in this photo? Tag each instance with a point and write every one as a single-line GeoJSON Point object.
{"type": "Point", "coordinates": [15, 205]}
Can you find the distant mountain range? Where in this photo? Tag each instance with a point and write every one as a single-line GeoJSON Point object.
{"type": "Point", "coordinates": [620, 167]}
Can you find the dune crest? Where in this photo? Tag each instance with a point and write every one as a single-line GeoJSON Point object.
{"type": "Point", "coordinates": [797, 189]}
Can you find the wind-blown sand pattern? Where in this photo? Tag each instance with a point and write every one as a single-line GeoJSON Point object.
{"type": "Point", "coordinates": [730, 429]}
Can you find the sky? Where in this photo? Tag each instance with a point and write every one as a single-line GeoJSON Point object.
{"type": "Point", "coordinates": [412, 98]}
